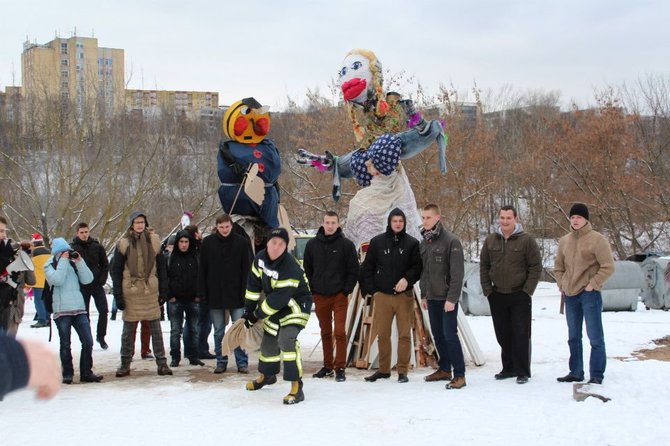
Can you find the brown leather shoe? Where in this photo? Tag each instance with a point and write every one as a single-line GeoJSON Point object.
{"type": "Point", "coordinates": [456, 383]}
{"type": "Point", "coordinates": [438, 375]}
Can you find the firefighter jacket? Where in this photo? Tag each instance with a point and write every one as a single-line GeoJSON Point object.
{"type": "Point", "coordinates": [288, 299]}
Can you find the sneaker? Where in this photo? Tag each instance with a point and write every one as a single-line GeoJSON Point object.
{"type": "Point", "coordinates": [40, 325]}
{"type": "Point", "coordinates": [103, 344]}
{"type": "Point", "coordinates": [521, 379]}
{"type": "Point", "coordinates": [402, 378]}
{"type": "Point", "coordinates": [243, 370]}
{"type": "Point", "coordinates": [595, 381]}
{"type": "Point", "coordinates": [324, 373]}
{"type": "Point", "coordinates": [174, 363]}
{"type": "Point", "coordinates": [569, 379]}
{"type": "Point", "coordinates": [456, 383]}
{"type": "Point", "coordinates": [504, 375]}
{"type": "Point", "coordinates": [261, 382]}
{"type": "Point", "coordinates": [92, 378]}
{"type": "Point", "coordinates": [438, 375]}
{"type": "Point", "coordinates": [221, 368]}
{"type": "Point", "coordinates": [339, 375]}
{"type": "Point", "coordinates": [377, 375]}
{"type": "Point", "coordinates": [67, 380]}
{"type": "Point", "coordinates": [196, 361]}
{"type": "Point", "coordinates": [296, 395]}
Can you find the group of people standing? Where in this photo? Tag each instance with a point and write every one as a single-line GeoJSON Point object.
{"type": "Point", "coordinates": [510, 268]}
{"type": "Point", "coordinates": [221, 272]}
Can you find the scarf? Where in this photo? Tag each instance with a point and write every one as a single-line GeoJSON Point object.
{"type": "Point", "coordinates": [429, 234]}
{"type": "Point", "coordinates": [140, 244]}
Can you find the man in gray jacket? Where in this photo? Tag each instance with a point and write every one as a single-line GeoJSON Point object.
{"type": "Point", "coordinates": [441, 284]}
{"type": "Point", "coordinates": [509, 269]}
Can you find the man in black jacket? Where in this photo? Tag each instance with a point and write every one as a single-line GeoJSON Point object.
{"type": "Point", "coordinates": [331, 266]}
{"type": "Point", "coordinates": [391, 267]}
{"type": "Point", "coordinates": [182, 298]}
{"type": "Point", "coordinates": [96, 259]}
{"type": "Point", "coordinates": [225, 259]}
{"type": "Point", "coordinates": [509, 269]}
{"type": "Point", "coordinates": [441, 286]}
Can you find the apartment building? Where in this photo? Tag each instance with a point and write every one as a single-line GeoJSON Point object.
{"type": "Point", "coordinates": [191, 104]}
{"type": "Point", "coordinates": [75, 69]}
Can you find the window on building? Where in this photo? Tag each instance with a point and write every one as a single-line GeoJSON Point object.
{"type": "Point", "coordinates": [63, 48]}
{"type": "Point", "coordinates": [63, 62]}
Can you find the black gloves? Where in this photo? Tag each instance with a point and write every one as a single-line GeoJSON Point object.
{"type": "Point", "coordinates": [120, 303]}
{"type": "Point", "coordinates": [249, 319]}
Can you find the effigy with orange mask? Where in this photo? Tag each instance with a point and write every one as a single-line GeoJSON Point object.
{"type": "Point", "coordinates": [388, 129]}
{"type": "Point", "coordinates": [249, 166]}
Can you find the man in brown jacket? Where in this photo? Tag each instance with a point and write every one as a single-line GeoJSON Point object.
{"type": "Point", "coordinates": [140, 282]}
{"type": "Point", "coordinates": [583, 263]}
{"type": "Point", "coordinates": [509, 269]}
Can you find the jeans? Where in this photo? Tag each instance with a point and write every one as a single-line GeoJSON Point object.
{"type": "Point", "coordinates": [83, 329]}
{"type": "Point", "coordinates": [40, 309]}
{"type": "Point", "coordinates": [218, 318]}
{"type": "Point", "coordinates": [444, 326]}
{"type": "Point", "coordinates": [100, 300]}
{"type": "Point", "coordinates": [586, 306]}
{"type": "Point", "coordinates": [328, 307]}
{"type": "Point", "coordinates": [176, 311]}
{"type": "Point", "coordinates": [204, 328]}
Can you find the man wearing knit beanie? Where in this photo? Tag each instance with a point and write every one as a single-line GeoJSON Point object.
{"type": "Point", "coordinates": [583, 263]}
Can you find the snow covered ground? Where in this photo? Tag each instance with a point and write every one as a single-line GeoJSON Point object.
{"type": "Point", "coordinates": [196, 407]}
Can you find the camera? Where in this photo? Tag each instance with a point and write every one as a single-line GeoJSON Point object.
{"type": "Point", "coordinates": [73, 254]}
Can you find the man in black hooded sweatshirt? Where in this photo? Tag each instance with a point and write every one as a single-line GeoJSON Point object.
{"type": "Point", "coordinates": [391, 267]}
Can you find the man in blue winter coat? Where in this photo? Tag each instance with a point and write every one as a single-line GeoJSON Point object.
{"type": "Point", "coordinates": [65, 271]}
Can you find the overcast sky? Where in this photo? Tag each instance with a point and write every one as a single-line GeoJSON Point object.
{"type": "Point", "coordinates": [274, 49]}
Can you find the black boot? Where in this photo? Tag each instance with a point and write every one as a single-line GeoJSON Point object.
{"type": "Point", "coordinates": [296, 394]}
{"type": "Point", "coordinates": [377, 375]}
{"type": "Point", "coordinates": [261, 381]}
{"type": "Point", "coordinates": [124, 368]}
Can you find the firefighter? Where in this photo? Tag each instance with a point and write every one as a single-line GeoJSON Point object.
{"type": "Point", "coordinates": [285, 311]}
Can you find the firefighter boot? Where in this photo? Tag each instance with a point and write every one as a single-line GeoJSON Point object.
{"type": "Point", "coordinates": [296, 395]}
{"type": "Point", "coordinates": [261, 381]}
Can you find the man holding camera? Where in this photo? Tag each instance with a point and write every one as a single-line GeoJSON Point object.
{"type": "Point", "coordinates": [96, 259]}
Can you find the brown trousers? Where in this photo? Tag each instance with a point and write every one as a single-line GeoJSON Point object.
{"type": "Point", "coordinates": [402, 307]}
{"type": "Point", "coordinates": [327, 307]}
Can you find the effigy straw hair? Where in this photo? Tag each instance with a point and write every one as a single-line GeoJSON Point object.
{"type": "Point", "coordinates": [377, 80]}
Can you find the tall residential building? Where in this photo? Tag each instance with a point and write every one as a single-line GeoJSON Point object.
{"type": "Point", "coordinates": [74, 69]}
{"type": "Point", "coordinates": [192, 104]}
